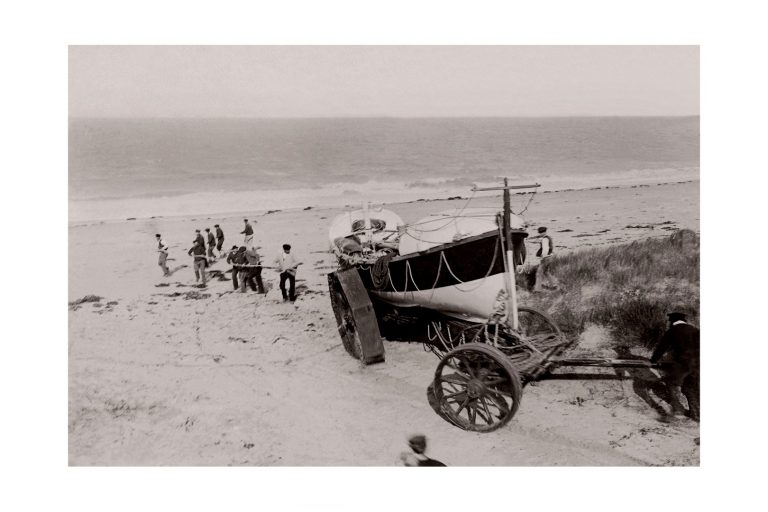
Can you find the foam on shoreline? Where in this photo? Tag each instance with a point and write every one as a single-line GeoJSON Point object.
{"type": "Point", "coordinates": [342, 194]}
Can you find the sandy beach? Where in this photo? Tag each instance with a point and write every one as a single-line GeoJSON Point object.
{"type": "Point", "coordinates": [163, 373]}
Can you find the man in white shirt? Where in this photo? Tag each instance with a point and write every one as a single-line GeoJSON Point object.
{"type": "Point", "coordinates": [162, 250]}
{"type": "Point", "coordinates": [544, 252]}
{"type": "Point", "coordinates": [286, 265]}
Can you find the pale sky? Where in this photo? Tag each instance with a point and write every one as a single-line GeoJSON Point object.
{"type": "Point", "coordinates": [382, 81]}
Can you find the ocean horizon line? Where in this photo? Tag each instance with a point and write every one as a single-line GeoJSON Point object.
{"type": "Point", "coordinates": [374, 117]}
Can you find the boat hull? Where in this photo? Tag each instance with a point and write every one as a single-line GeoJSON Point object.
{"type": "Point", "coordinates": [460, 279]}
{"type": "Point", "coordinates": [472, 301]}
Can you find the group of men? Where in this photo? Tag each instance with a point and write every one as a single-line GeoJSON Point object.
{"type": "Point", "coordinates": [246, 270]}
{"type": "Point", "coordinates": [245, 260]}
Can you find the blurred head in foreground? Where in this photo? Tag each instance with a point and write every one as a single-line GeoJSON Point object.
{"type": "Point", "coordinates": [418, 443]}
{"type": "Point", "coordinates": [674, 317]}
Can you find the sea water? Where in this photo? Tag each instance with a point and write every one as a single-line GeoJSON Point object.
{"type": "Point", "coordinates": [121, 168]}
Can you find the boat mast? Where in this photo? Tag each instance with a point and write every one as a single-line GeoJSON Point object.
{"type": "Point", "coordinates": [367, 224]}
{"type": "Point", "coordinates": [509, 268]}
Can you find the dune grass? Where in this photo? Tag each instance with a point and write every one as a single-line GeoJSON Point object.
{"type": "Point", "coordinates": [627, 288]}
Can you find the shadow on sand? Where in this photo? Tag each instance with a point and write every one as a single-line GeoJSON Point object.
{"type": "Point", "coordinates": [176, 269]}
{"type": "Point", "coordinates": [644, 382]}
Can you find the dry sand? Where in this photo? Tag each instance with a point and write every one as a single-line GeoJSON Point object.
{"type": "Point", "coordinates": [158, 377]}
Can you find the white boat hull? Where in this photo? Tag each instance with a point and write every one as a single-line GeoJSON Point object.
{"type": "Point", "coordinates": [471, 300]}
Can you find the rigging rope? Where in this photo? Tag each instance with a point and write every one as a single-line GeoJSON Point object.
{"type": "Point", "coordinates": [481, 281]}
{"type": "Point", "coordinates": [452, 218]}
{"type": "Point", "coordinates": [530, 200]}
{"type": "Point", "coordinates": [443, 259]}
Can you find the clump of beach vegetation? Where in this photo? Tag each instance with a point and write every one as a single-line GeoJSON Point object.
{"type": "Point", "coordinates": [627, 289]}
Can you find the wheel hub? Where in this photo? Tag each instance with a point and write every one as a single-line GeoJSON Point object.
{"type": "Point", "coordinates": [475, 388]}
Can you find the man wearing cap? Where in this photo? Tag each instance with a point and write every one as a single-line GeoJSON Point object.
{"type": "Point", "coordinates": [682, 341]}
{"type": "Point", "coordinates": [417, 458]}
{"type": "Point", "coordinates": [200, 261]}
{"type": "Point", "coordinates": [199, 238]}
{"type": "Point", "coordinates": [236, 257]}
{"type": "Point", "coordinates": [253, 271]}
{"type": "Point", "coordinates": [248, 232]}
{"type": "Point", "coordinates": [162, 249]}
{"type": "Point", "coordinates": [211, 244]}
{"type": "Point", "coordinates": [219, 239]}
{"type": "Point", "coordinates": [544, 252]}
{"type": "Point", "coordinates": [287, 264]}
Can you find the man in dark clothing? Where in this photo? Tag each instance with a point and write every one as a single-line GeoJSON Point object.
{"type": "Point", "coordinates": [253, 272]}
{"type": "Point", "coordinates": [211, 243]}
{"type": "Point", "coordinates": [245, 271]}
{"type": "Point", "coordinates": [682, 341]}
{"type": "Point", "coordinates": [545, 243]}
{"type": "Point", "coordinates": [236, 257]}
{"type": "Point", "coordinates": [200, 262]}
{"type": "Point", "coordinates": [199, 238]}
{"type": "Point", "coordinates": [248, 232]}
{"type": "Point", "coordinates": [219, 239]}
{"type": "Point", "coordinates": [418, 444]}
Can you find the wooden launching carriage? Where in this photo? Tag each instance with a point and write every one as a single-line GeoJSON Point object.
{"type": "Point", "coordinates": [457, 296]}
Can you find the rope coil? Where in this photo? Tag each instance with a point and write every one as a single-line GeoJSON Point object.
{"type": "Point", "coordinates": [380, 271]}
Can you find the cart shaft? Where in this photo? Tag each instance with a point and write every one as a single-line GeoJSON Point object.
{"type": "Point", "coordinates": [608, 363]}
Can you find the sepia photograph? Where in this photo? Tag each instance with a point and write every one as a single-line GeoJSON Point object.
{"type": "Point", "coordinates": [309, 245]}
{"type": "Point", "coordinates": [383, 255]}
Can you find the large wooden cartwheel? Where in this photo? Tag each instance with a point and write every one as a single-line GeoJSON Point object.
{"type": "Point", "coordinates": [538, 329]}
{"type": "Point", "coordinates": [477, 388]}
{"type": "Point", "coordinates": [355, 317]}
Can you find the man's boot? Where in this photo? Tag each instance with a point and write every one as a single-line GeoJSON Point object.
{"type": "Point", "coordinates": [676, 395]}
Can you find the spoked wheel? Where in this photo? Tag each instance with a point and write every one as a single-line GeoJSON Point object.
{"type": "Point", "coordinates": [538, 329]}
{"type": "Point", "coordinates": [345, 320]}
{"type": "Point", "coordinates": [477, 388]}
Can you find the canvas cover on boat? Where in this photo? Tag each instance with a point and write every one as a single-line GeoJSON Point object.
{"type": "Point", "coordinates": [384, 224]}
{"type": "Point", "coordinates": [451, 226]}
